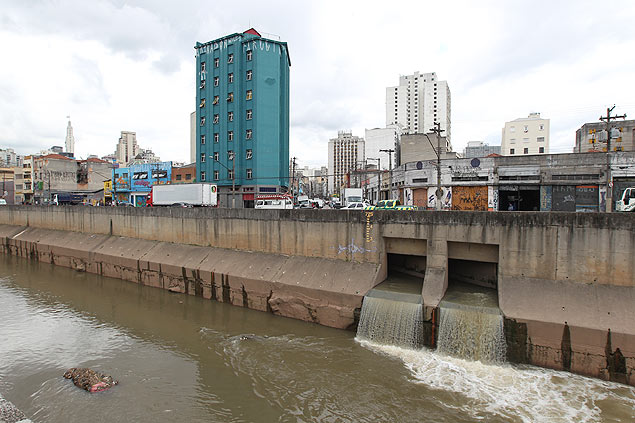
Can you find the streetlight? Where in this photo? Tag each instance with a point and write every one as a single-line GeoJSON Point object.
{"type": "Point", "coordinates": [233, 170]}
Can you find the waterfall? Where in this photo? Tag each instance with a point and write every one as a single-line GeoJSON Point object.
{"type": "Point", "coordinates": [471, 332]}
{"type": "Point", "coordinates": [386, 321]}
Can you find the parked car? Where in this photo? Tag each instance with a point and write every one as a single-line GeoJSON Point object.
{"type": "Point", "coordinates": [356, 206]}
{"type": "Point", "coordinates": [390, 205]}
{"type": "Point", "coordinates": [3, 202]}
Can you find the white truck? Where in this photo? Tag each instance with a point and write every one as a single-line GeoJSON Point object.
{"type": "Point", "coordinates": [198, 194]}
{"type": "Point", "coordinates": [352, 195]}
{"type": "Point", "coordinates": [627, 202]}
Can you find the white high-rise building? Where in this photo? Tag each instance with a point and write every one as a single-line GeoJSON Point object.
{"type": "Point", "coordinates": [346, 154]}
{"type": "Point", "coordinates": [127, 148]}
{"type": "Point", "coordinates": [382, 139]}
{"type": "Point", "coordinates": [70, 139]}
{"type": "Point", "coordinates": [420, 101]}
{"type": "Point", "coordinates": [528, 135]}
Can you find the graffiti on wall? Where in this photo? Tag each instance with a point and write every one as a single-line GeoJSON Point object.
{"type": "Point", "coordinates": [469, 198]}
{"type": "Point", "coordinates": [545, 198]}
{"type": "Point", "coordinates": [446, 198]}
{"type": "Point", "coordinates": [492, 198]}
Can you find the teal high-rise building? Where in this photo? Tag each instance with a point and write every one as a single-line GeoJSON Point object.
{"type": "Point", "coordinates": [242, 96]}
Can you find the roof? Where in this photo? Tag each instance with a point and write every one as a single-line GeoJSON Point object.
{"type": "Point", "coordinates": [95, 160]}
{"type": "Point", "coordinates": [55, 156]}
{"type": "Point", "coordinates": [253, 32]}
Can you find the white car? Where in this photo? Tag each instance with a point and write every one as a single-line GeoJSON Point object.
{"type": "Point", "coordinates": [355, 206]}
{"type": "Point", "coordinates": [3, 202]}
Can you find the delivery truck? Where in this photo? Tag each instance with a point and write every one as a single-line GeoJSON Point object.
{"type": "Point", "coordinates": [195, 195]}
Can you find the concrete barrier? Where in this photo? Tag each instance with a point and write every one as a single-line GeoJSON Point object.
{"type": "Point", "coordinates": [566, 281]}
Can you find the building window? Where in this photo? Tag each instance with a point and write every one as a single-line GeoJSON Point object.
{"type": "Point", "coordinates": [216, 156]}
{"type": "Point", "coordinates": [512, 129]}
{"type": "Point", "coordinates": [230, 78]}
{"type": "Point", "coordinates": [202, 120]}
{"type": "Point", "coordinates": [202, 84]}
{"type": "Point", "coordinates": [525, 139]}
{"type": "Point", "coordinates": [249, 75]}
{"type": "Point", "coordinates": [249, 114]}
{"type": "Point", "coordinates": [203, 139]}
{"type": "Point", "coordinates": [216, 81]}
{"type": "Point", "coordinates": [249, 94]}
{"type": "Point", "coordinates": [230, 155]}
{"type": "Point", "coordinates": [215, 102]}
{"type": "Point", "coordinates": [216, 62]}
{"type": "Point", "coordinates": [202, 103]}
{"type": "Point", "coordinates": [230, 58]}
{"type": "Point", "coordinates": [230, 97]}
{"type": "Point", "coordinates": [525, 151]}
{"type": "Point", "coordinates": [525, 128]}
{"type": "Point", "coordinates": [178, 177]}
{"type": "Point", "coordinates": [230, 116]}
{"type": "Point", "coordinates": [230, 135]}
{"type": "Point", "coordinates": [188, 176]}
{"type": "Point", "coordinates": [202, 157]}
{"type": "Point", "coordinates": [203, 176]}
{"type": "Point", "coordinates": [249, 154]}
{"type": "Point", "coordinates": [202, 66]}
{"type": "Point", "coordinates": [540, 139]}
{"type": "Point", "coordinates": [230, 174]}
{"type": "Point", "coordinates": [541, 150]}
{"type": "Point", "coordinates": [216, 137]}
{"type": "Point", "coordinates": [216, 175]}
{"type": "Point", "coordinates": [511, 151]}
{"type": "Point", "coordinates": [249, 55]}
{"type": "Point", "coordinates": [249, 174]}
{"type": "Point", "coordinates": [216, 117]}
{"type": "Point", "coordinates": [541, 127]}
{"type": "Point", "coordinates": [248, 134]}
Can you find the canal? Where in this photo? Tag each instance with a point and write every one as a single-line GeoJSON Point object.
{"type": "Point", "coordinates": [182, 358]}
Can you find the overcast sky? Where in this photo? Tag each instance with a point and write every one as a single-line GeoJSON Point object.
{"type": "Point", "coordinates": [116, 65]}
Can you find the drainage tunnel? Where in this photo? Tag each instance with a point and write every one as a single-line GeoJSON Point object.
{"type": "Point", "coordinates": [473, 264]}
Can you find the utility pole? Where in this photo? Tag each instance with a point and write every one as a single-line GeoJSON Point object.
{"type": "Point", "coordinates": [293, 178]}
{"type": "Point", "coordinates": [608, 118]}
{"type": "Point", "coordinates": [437, 130]}
{"type": "Point", "coordinates": [389, 151]}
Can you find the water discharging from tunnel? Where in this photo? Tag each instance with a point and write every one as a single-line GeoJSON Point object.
{"type": "Point", "coordinates": [390, 322]}
{"type": "Point", "coordinates": [471, 325]}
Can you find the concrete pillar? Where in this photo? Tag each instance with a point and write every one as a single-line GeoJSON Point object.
{"type": "Point", "coordinates": [435, 282]}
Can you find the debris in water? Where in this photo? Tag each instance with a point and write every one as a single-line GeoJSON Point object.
{"type": "Point", "coordinates": [90, 380]}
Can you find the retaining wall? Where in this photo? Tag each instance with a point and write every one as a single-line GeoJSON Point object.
{"type": "Point", "coordinates": [565, 280]}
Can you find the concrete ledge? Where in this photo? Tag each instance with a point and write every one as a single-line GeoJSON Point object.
{"type": "Point", "coordinates": [328, 292]}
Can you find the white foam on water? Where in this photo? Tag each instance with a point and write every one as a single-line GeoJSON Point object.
{"type": "Point", "coordinates": [518, 393]}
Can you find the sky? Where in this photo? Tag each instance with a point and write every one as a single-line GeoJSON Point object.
{"type": "Point", "coordinates": [116, 65]}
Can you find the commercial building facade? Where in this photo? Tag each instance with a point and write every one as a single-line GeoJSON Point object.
{"type": "Point", "coordinates": [133, 184]}
{"type": "Point", "coordinates": [554, 182]}
{"type": "Point", "coordinates": [242, 115]}
{"type": "Point", "coordinates": [418, 103]}
{"type": "Point", "coordinates": [525, 136]}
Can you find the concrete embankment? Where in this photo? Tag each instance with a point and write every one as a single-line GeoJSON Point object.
{"type": "Point", "coordinates": [325, 291]}
{"type": "Point", "coordinates": [565, 282]}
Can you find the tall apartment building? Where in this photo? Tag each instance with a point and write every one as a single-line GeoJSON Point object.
{"type": "Point", "coordinates": [591, 137]}
{"type": "Point", "coordinates": [242, 115]}
{"type": "Point", "coordinates": [70, 139]}
{"type": "Point", "coordinates": [382, 139]}
{"type": "Point", "coordinates": [127, 148]}
{"type": "Point", "coordinates": [346, 154]}
{"type": "Point", "coordinates": [9, 158]}
{"type": "Point", "coordinates": [418, 103]}
{"type": "Point", "coordinates": [528, 135]}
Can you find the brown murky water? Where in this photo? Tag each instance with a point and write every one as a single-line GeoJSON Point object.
{"type": "Point", "coordinates": [181, 358]}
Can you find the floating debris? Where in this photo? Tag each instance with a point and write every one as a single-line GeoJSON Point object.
{"type": "Point", "coordinates": [90, 380]}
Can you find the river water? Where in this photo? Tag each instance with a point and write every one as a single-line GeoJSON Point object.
{"type": "Point", "coordinates": [181, 358]}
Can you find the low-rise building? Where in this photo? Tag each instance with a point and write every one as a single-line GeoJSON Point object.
{"type": "Point", "coordinates": [480, 149]}
{"type": "Point", "coordinates": [562, 182]}
{"type": "Point", "coordinates": [133, 184]}
{"type": "Point", "coordinates": [592, 138]}
{"type": "Point", "coordinates": [184, 174]}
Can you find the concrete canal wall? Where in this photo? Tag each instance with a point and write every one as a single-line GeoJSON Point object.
{"type": "Point", "coordinates": [565, 281]}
